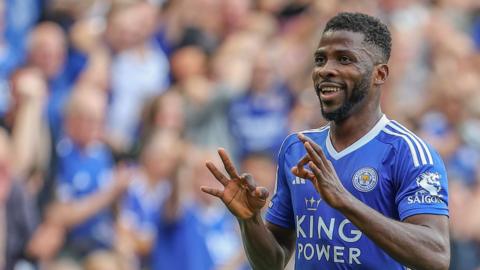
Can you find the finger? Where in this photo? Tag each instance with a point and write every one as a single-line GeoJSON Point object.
{"type": "Point", "coordinates": [248, 181]}
{"type": "Point", "coordinates": [305, 159]}
{"type": "Point", "coordinates": [259, 197]}
{"type": "Point", "coordinates": [319, 176]}
{"type": "Point", "coordinates": [328, 165]}
{"type": "Point", "coordinates": [218, 175]}
{"type": "Point", "coordinates": [305, 139]}
{"type": "Point", "coordinates": [212, 191]}
{"type": "Point", "coordinates": [300, 167]}
{"type": "Point", "coordinates": [227, 163]}
{"type": "Point", "coordinates": [260, 193]}
{"type": "Point", "coordinates": [301, 137]}
{"type": "Point", "coordinates": [312, 154]}
{"type": "Point", "coordinates": [315, 158]}
{"type": "Point", "coordinates": [303, 173]}
{"type": "Point", "coordinates": [316, 147]}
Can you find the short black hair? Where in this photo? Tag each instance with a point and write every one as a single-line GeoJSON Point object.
{"type": "Point", "coordinates": [376, 33]}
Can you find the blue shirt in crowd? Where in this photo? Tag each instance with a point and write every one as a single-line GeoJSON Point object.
{"type": "Point", "coordinates": [181, 244]}
{"type": "Point", "coordinates": [142, 204]}
{"type": "Point", "coordinates": [81, 173]}
{"type": "Point", "coordinates": [259, 122]}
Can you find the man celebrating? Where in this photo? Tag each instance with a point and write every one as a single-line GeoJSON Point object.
{"type": "Point", "coordinates": [375, 195]}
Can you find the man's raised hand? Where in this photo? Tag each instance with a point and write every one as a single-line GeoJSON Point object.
{"type": "Point", "coordinates": [322, 173]}
{"type": "Point", "coordinates": [240, 194]}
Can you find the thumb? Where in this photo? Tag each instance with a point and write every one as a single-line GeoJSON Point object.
{"type": "Point", "coordinates": [258, 197]}
{"type": "Point", "coordinates": [260, 193]}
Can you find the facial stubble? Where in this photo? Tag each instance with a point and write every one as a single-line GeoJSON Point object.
{"type": "Point", "coordinates": [359, 92]}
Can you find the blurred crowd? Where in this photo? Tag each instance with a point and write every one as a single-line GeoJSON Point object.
{"type": "Point", "coordinates": [110, 108]}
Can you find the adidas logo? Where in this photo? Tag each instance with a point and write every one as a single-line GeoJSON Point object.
{"type": "Point", "coordinates": [298, 181]}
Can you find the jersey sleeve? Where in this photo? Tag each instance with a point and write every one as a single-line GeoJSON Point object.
{"type": "Point", "coordinates": [422, 182]}
{"type": "Point", "coordinates": [280, 211]}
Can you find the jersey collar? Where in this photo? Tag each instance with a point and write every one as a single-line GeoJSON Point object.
{"type": "Point", "coordinates": [359, 143]}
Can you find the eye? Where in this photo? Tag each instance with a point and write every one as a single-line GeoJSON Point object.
{"type": "Point", "coordinates": [320, 60]}
{"type": "Point", "coordinates": [344, 59]}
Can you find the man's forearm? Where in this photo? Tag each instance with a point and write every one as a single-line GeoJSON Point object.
{"type": "Point", "coordinates": [415, 246]}
{"type": "Point", "coordinates": [71, 214]}
{"type": "Point", "coordinates": [26, 130]}
{"type": "Point", "coordinates": [261, 247]}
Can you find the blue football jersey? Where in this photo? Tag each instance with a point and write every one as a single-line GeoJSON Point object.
{"type": "Point", "coordinates": [389, 169]}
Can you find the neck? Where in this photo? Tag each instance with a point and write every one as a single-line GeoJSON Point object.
{"type": "Point", "coordinates": [152, 180]}
{"type": "Point", "coordinates": [344, 133]}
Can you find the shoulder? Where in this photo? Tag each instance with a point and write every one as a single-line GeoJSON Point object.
{"type": "Point", "coordinates": [407, 145]}
{"type": "Point", "coordinates": [314, 134]}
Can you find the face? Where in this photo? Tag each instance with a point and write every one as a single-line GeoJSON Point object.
{"type": "Point", "coordinates": [160, 158]}
{"type": "Point", "coordinates": [86, 127]}
{"type": "Point", "coordinates": [170, 114]}
{"type": "Point", "coordinates": [343, 73]}
{"type": "Point", "coordinates": [188, 62]}
{"type": "Point", "coordinates": [85, 117]}
{"type": "Point", "coordinates": [48, 49]}
{"type": "Point", "coordinates": [123, 29]}
{"type": "Point", "coordinates": [263, 76]}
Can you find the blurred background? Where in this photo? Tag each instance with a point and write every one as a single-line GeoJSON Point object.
{"type": "Point", "coordinates": [109, 109]}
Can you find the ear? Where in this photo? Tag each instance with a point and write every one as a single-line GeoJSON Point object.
{"type": "Point", "coordinates": [381, 74]}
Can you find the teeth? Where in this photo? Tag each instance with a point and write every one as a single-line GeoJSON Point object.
{"type": "Point", "coordinates": [330, 89]}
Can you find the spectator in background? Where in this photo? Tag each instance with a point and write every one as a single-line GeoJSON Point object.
{"type": "Point", "coordinates": [216, 224]}
{"type": "Point", "coordinates": [206, 101]}
{"type": "Point", "coordinates": [16, 20]}
{"type": "Point", "coordinates": [46, 51]}
{"type": "Point", "coordinates": [86, 185]}
{"type": "Point", "coordinates": [18, 218]}
{"type": "Point", "coordinates": [25, 122]}
{"type": "Point", "coordinates": [139, 71]}
{"type": "Point", "coordinates": [265, 106]}
{"type": "Point", "coordinates": [179, 223]}
{"type": "Point", "coordinates": [146, 195]}
{"type": "Point", "coordinates": [164, 112]}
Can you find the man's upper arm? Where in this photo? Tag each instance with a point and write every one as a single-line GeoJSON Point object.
{"type": "Point", "coordinates": [422, 183]}
{"type": "Point", "coordinates": [285, 237]}
{"type": "Point", "coordinates": [437, 223]}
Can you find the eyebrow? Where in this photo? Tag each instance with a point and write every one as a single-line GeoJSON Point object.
{"type": "Point", "coordinates": [338, 51]}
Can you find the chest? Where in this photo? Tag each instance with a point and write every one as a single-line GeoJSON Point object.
{"type": "Point", "coordinates": [367, 177]}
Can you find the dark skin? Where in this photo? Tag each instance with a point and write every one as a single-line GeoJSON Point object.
{"type": "Point", "coordinates": [343, 60]}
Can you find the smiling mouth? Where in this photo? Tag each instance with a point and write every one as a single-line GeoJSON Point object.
{"type": "Point", "coordinates": [329, 89]}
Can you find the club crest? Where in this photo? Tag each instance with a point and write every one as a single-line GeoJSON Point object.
{"type": "Point", "coordinates": [365, 179]}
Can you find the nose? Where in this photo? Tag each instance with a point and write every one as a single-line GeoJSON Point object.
{"type": "Point", "coordinates": [328, 70]}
